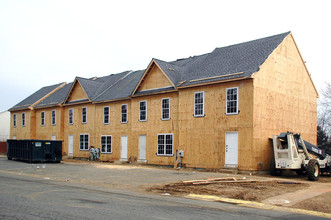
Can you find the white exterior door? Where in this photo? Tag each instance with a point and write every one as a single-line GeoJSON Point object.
{"type": "Point", "coordinates": [124, 148]}
{"type": "Point", "coordinates": [71, 145]}
{"type": "Point", "coordinates": [53, 137]}
{"type": "Point", "coordinates": [142, 148]}
{"type": "Point", "coordinates": [231, 149]}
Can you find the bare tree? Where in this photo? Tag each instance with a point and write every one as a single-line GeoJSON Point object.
{"type": "Point", "coordinates": [324, 110]}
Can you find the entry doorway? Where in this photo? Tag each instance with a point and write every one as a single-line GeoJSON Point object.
{"type": "Point", "coordinates": [124, 148]}
{"type": "Point", "coordinates": [71, 145]}
{"type": "Point", "coordinates": [231, 149]}
{"type": "Point", "coordinates": [142, 149]}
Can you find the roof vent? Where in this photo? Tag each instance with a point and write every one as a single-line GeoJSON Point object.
{"type": "Point", "coordinates": [94, 78]}
{"type": "Point", "coordinates": [169, 68]}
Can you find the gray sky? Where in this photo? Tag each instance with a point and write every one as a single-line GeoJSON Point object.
{"type": "Point", "coordinates": [46, 42]}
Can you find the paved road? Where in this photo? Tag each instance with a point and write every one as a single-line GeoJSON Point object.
{"type": "Point", "coordinates": [32, 197]}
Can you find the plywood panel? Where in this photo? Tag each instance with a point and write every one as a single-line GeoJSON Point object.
{"type": "Point", "coordinates": [284, 100]}
{"type": "Point", "coordinates": [77, 93]}
{"type": "Point", "coordinates": [154, 79]}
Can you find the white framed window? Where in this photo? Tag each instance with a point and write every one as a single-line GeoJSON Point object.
{"type": "Point", "coordinates": [71, 116]}
{"type": "Point", "coordinates": [124, 113]}
{"type": "Point", "coordinates": [42, 118]}
{"type": "Point", "coordinates": [106, 115]}
{"type": "Point", "coordinates": [84, 115]}
{"type": "Point", "coordinates": [199, 104]}
{"type": "Point", "coordinates": [84, 142]}
{"type": "Point", "coordinates": [106, 144]}
{"type": "Point", "coordinates": [23, 119]}
{"type": "Point", "coordinates": [165, 144]}
{"type": "Point", "coordinates": [143, 111]}
{"type": "Point", "coordinates": [53, 117]}
{"type": "Point", "coordinates": [14, 120]}
{"type": "Point", "coordinates": [165, 109]}
{"type": "Point", "coordinates": [232, 95]}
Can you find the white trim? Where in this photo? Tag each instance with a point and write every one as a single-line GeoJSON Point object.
{"type": "Point", "coordinates": [41, 118]}
{"type": "Point", "coordinates": [88, 144]}
{"type": "Point", "coordinates": [85, 115]}
{"type": "Point", "coordinates": [111, 144]}
{"type": "Point", "coordinates": [203, 104]}
{"type": "Point", "coordinates": [104, 115]}
{"type": "Point", "coordinates": [157, 145]}
{"type": "Point", "coordinates": [72, 116]}
{"type": "Point", "coordinates": [226, 102]}
{"type": "Point", "coordinates": [127, 114]}
{"type": "Point", "coordinates": [145, 110]}
{"type": "Point", "coordinates": [54, 110]}
{"type": "Point", "coordinates": [165, 119]}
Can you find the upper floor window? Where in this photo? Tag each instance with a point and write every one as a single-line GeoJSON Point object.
{"type": "Point", "coordinates": [14, 120]}
{"type": "Point", "coordinates": [124, 113]}
{"type": "Point", "coordinates": [199, 102]}
{"type": "Point", "coordinates": [232, 101]}
{"type": "Point", "coordinates": [23, 119]}
{"type": "Point", "coordinates": [42, 118]}
{"type": "Point", "coordinates": [71, 116]}
{"type": "Point", "coordinates": [106, 144]}
{"type": "Point", "coordinates": [143, 111]}
{"type": "Point", "coordinates": [53, 117]}
{"type": "Point", "coordinates": [84, 115]}
{"type": "Point", "coordinates": [165, 144]}
{"type": "Point", "coordinates": [166, 109]}
{"type": "Point", "coordinates": [106, 115]}
{"type": "Point", "coordinates": [84, 142]}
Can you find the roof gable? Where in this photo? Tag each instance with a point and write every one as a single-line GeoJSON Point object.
{"type": "Point", "coordinates": [155, 78]}
{"type": "Point", "coordinates": [76, 93]}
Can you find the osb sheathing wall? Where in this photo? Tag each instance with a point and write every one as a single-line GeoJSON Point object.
{"type": "Point", "coordinates": [22, 132]}
{"type": "Point", "coordinates": [203, 138]}
{"type": "Point", "coordinates": [153, 126]}
{"type": "Point", "coordinates": [78, 128]}
{"type": "Point", "coordinates": [46, 131]}
{"type": "Point", "coordinates": [115, 128]}
{"type": "Point", "coordinates": [77, 93]}
{"type": "Point", "coordinates": [284, 100]}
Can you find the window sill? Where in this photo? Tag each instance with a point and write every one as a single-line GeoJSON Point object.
{"type": "Point", "coordinates": [232, 113]}
{"type": "Point", "coordinates": [124, 122]}
{"type": "Point", "coordinates": [165, 119]}
{"type": "Point", "coordinates": [199, 116]}
{"type": "Point", "coordinates": [107, 152]}
{"type": "Point", "coordinates": [84, 150]}
{"type": "Point", "coordinates": [53, 124]}
{"type": "Point", "coordinates": [142, 120]}
{"type": "Point", "coordinates": [165, 155]}
{"type": "Point", "coordinates": [106, 123]}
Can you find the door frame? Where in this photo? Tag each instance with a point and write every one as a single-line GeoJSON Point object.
{"type": "Point", "coordinates": [71, 154]}
{"type": "Point", "coordinates": [140, 159]}
{"type": "Point", "coordinates": [230, 165]}
{"type": "Point", "coordinates": [122, 158]}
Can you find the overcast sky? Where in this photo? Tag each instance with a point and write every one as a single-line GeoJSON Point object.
{"type": "Point", "coordinates": [46, 42]}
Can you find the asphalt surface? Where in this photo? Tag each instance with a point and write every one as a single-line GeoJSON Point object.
{"type": "Point", "coordinates": [29, 191]}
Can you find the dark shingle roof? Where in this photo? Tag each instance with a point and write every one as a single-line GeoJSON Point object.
{"type": "Point", "coordinates": [26, 103]}
{"type": "Point", "coordinates": [231, 62]}
{"type": "Point", "coordinates": [56, 98]}
{"type": "Point", "coordinates": [244, 57]}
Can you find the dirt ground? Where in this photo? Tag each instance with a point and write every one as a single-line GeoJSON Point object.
{"type": "Point", "coordinates": [249, 189]}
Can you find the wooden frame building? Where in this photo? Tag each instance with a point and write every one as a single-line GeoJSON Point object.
{"type": "Point", "coordinates": [219, 108]}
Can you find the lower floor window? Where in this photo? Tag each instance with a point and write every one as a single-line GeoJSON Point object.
{"type": "Point", "coordinates": [165, 144]}
{"type": "Point", "coordinates": [84, 142]}
{"type": "Point", "coordinates": [106, 144]}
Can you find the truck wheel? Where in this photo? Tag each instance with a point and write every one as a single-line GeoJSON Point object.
{"type": "Point", "coordinates": [9, 158]}
{"type": "Point", "coordinates": [313, 170]}
{"type": "Point", "coordinates": [273, 170]}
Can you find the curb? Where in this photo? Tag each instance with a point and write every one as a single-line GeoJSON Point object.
{"type": "Point", "coordinates": [256, 205]}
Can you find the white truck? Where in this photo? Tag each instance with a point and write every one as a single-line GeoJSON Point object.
{"type": "Point", "coordinates": [291, 152]}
